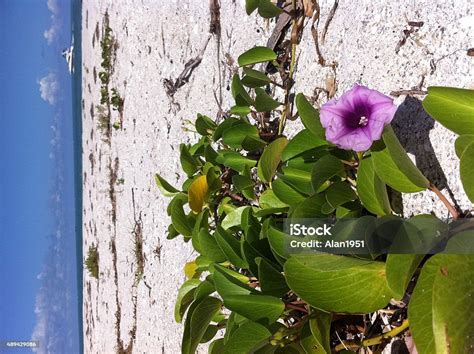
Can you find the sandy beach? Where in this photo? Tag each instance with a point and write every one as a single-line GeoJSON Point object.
{"type": "Point", "coordinates": [129, 308]}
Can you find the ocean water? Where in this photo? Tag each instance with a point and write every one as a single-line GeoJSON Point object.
{"type": "Point", "coordinates": [76, 28]}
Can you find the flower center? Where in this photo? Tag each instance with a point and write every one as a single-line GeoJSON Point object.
{"type": "Point", "coordinates": [363, 121]}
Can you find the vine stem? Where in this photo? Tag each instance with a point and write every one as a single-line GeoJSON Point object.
{"type": "Point", "coordinates": [294, 40]}
{"type": "Point", "coordinates": [445, 201]}
{"type": "Point", "coordinates": [375, 340]}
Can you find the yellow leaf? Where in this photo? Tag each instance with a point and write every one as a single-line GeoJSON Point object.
{"type": "Point", "coordinates": [190, 269]}
{"type": "Point", "coordinates": [197, 193]}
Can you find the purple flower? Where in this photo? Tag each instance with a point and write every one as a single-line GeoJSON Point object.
{"type": "Point", "coordinates": [357, 118]}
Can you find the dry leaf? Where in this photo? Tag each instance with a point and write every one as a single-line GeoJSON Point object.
{"type": "Point", "coordinates": [308, 6]}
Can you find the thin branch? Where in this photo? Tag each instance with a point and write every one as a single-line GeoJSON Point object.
{"type": "Point", "coordinates": [328, 20]}
{"type": "Point", "coordinates": [372, 341]}
{"type": "Point", "coordinates": [294, 307]}
{"type": "Point", "coordinates": [294, 41]}
{"type": "Point", "coordinates": [445, 201]}
{"type": "Point", "coordinates": [408, 92]}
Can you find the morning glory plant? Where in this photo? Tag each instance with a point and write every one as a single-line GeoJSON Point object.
{"type": "Point", "coordinates": [247, 291]}
{"type": "Point", "coordinates": [357, 118]}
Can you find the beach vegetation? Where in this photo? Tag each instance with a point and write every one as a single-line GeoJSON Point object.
{"type": "Point", "coordinates": [103, 120]}
{"type": "Point", "coordinates": [138, 253]}
{"type": "Point", "coordinates": [249, 183]}
{"type": "Point", "coordinates": [117, 101]}
{"type": "Point", "coordinates": [92, 261]}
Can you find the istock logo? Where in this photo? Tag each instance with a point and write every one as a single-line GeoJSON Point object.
{"type": "Point", "coordinates": [303, 230]}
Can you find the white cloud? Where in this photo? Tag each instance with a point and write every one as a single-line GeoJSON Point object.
{"type": "Point", "coordinates": [51, 33]}
{"type": "Point", "coordinates": [53, 6]}
{"type": "Point", "coordinates": [49, 87]}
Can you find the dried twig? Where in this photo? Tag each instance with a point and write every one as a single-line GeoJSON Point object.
{"type": "Point", "coordinates": [408, 92]}
{"type": "Point", "coordinates": [328, 20]}
{"type": "Point", "coordinates": [173, 86]}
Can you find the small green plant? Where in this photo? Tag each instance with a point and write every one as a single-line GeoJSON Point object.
{"type": "Point", "coordinates": [92, 261]}
{"type": "Point", "coordinates": [250, 189]}
{"type": "Point", "coordinates": [104, 95]}
{"type": "Point", "coordinates": [108, 48]}
{"type": "Point", "coordinates": [117, 101]}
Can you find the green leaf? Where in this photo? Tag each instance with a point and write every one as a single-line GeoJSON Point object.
{"type": "Point", "coordinates": [210, 333]}
{"type": "Point", "coordinates": [233, 218]}
{"type": "Point", "coordinates": [210, 154]}
{"type": "Point", "coordinates": [400, 269]}
{"type": "Point", "coordinates": [286, 193]}
{"type": "Point", "coordinates": [462, 143]}
{"type": "Point", "coordinates": [166, 189]}
{"type": "Point", "coordinates": [372, 191]}
{"type": "Point", "coordinates": [235, 161]}
{"type": "Point", "coordinates": [179, 219]}
{"type": "Point", "coordinates": [337, 283]}
{"type": "Point", "coordinates": [310, 208]}
{"type": "Point", "coordinates": [244, 185]}
{"type": "Point", "coordinates": [339, 193]}
{"type": "Point", "coordinates": [267, 9]}
{"type": "Point", "coordinates": [280, 242]}
{"type": "Point", "coordinates": [213, 179]}
{"type": "Point", "coordinates": [240, 110]}
{"type": "Point", "coordinates": [418, 235]}
{"type": "Point", "coordinates": [268, 199]}
{"type": "Point", "coordinates": [320, 327]}
{"type": "Point", "coordinates": [254, 78]}
{"type": "Point", "coordinates": [239, 92]}
{"type": "Point", "coordinates": [230, 246]}
{"type": "Point", "coordinates": [315, 334]}
{"type": "Point", "coordinates": [250, 226]}
{"type": "Point", "coordinates": [302, 142]}
{"type": "Point", "coordinates": [271, 280]}
{"type": "Point", "coordinates": [221, 128]}
{"type": "Point", "coordinates": [197, 322]}
{"type": "Point", "coordinates": [256, 55]}
{"type": "Point", "coordinates": [217, 346]}
{"type": "Point", "coordinates": [245, 339]}
{"type": "Point", "coordinates": [461, 243]}
{"type": "Point", "coordinates": [309, 116]}
{"type": "Point", "coordinates": [349, 210]}
{"type": "Point", "coordinates": [441, 311]}
{"type": "Point", "coordinates": [264, 102]}
{"type": "Point", "coordinates": [236, 275]}
{"type": "Point", "coordinates": [394, 167]}
{"type": "Point", "coordinates": [209, 246]}
{"type": "Point", "coordinates": [467, 171]}
{"type": "Point", "coordinates": [453, 304]}
{"type": "Point", "coordinates": [270, 159]}
{"type": "Point", "coordinates": [227, 285]}
{"type": "Point", "coordinates": [172, 233]}
{"type": "Point", "coordinates": [185, 298]}
{"type": "Point", "coordinates": [452, 107]}
{"type": "Point", "coordinates": [205, 125]}
{"type": "Point", "coordinates": [251, 6]}
{"type": "Point", "coordinates": [188, 163]}
{"type": "Point", "coordinates": [266, 309]}
{"type": "Point", "coordinates": [300, 180]}
{"type": "Point", "coordinates": [204, 289]}
{"type": "Point", "coordinates": [252, 143]}
{"type": "Point", "coordinates": [235, 135]}
{"type": "Point", "coordinates": [325, 168]}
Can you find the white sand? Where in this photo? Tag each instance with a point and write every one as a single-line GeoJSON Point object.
{"type": "Point", "coordinates": [156, 38]}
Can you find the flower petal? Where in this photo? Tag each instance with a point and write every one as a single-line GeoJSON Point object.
{"type": "Point", "coordinates": [342, 118]}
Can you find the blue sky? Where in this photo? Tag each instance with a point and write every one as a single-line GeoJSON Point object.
{"type": "Point", "coordinates": [36, 175]}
